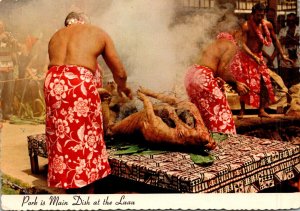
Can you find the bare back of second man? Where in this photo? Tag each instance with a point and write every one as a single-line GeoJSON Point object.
{"type": "Point", "coordinates": [217, 56]}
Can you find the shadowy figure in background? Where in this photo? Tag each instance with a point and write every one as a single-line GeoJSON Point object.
{"type": "Point", "coordinates": [280, 23]}
{"type": "Point", "coordinates": [74, 133]}
{"type": "Point", "coordinates": [24, 56]}
{"type": "Point", "coordinates": [289, 38]}
{"type": "Point", "coordinates": [270, 54]}
{"type": "Point", "coordinates": [35, 72]}
{"type": "Point", "coordinates": [8, 49]}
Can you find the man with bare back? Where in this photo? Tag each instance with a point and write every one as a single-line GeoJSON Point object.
{"type": "Point", "coordinates": [257, 32]}
{"type": "Point", "coordinates": [204, 83]}
{"type": "Point", "coordinates": [74, 130]}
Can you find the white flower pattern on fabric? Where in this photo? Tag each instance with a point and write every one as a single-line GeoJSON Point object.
{"type": "Point", "coordinates": [204, 91]}
{"type": "Point", "coordinates": [81, 107]}
{"type": "Point", "coordinates": [218, 93]}
{"type": "Point", "coordinates": [85, 76]}
{"type": "Point", "coordinates": [81, 166]}
{"type": "Point", "coordinates": [62, 128]}
{"type": "Point", "coordinates": [225, 116]}
{"type": "Point", "coordinates": [58, 164]}
{"type": "Point", "coordinates": [70, 116]}
{"type": "Point", "coordinates": [58, 89]}
{"type": "Point", "coordinates": [246, 70]}
{"type": "Point", "coordinates": [74, 128]}
{"type": "Point", "coordinates": [91, 140]}
{"type": "Point", "coordinates": [93, 175]}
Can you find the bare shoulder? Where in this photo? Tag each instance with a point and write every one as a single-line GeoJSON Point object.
{"type": "Point", "coordinates": [222, 44]}
{"type": "Point", "coordinates": [268, 24]}
{"type": "Point", "coordinates": [100, 32]}
{"type": "Point", "coordinates": [217, 48]}
{"type": "Point", "coordinates": [56, 34]}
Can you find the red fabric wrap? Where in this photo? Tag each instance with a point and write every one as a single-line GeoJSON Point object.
{"type": "Point", "coordinates": [248, 71]}
{"type": "Point", "coordinates": [74, 131]}
{"type": "Point", "coordinates": [205, 91]}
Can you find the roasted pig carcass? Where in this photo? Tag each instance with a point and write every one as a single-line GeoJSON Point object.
{"type": "Point", "coordinates": [112, 104]}
{"type": "Point", "coordinates": [171, 122]}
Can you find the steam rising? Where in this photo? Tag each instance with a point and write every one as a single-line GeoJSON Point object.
{"type": "Point", "coordinates": [156, 40]}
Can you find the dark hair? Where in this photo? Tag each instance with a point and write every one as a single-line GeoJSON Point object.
{"type": "Point", "coordinates": [258, 7]}
{"type": "Point", "coordinates": [292, 15]}
{"type": "Point", "coordinates": [270, 9]}
{"type": "Point", "coordinates": [72, 15]}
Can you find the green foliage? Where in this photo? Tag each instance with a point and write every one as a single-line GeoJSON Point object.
{"type": "Point", "coordinates": [7, 190]}
{"type": "Point", "coordinates": [30, 112]}
{"type": "Point", "coordinates": [10, 185]}
{"type": "Point", "coordinates": [219, 137]}
{"type": "Point", "coordinates": [150, 152]}
{"type": "Point", "coordinates": [14, 180]}
{"type": "Point", "coordinates": [202, 159]}
{"type": "Point", "coordinates": [124, 148]}
{"type": "Point", "coordinates": [128, 150]}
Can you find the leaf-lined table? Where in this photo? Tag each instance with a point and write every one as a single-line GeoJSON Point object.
{"type": "Point", "coordinates": [242, 164]}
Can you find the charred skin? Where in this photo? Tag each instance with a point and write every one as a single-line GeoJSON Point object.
{"type": "Point", "coordinates": [155, 129]}
{"type": "Point", "coordinates": [110, 101]}
{"type": "Point", "coordinates": [186, 135]}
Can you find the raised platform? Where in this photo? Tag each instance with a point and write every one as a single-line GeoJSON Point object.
{"type": "Point", "coordinates": [242, 164]}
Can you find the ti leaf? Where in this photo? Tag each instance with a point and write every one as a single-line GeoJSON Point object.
{"type": "Point", "coordinates": [150, 152]}
{"type": "Point", "coordinates": [129, 150]}
{"type": "Point", "coordinates": [219, 137]}
{"type": "Point", "coordinates": [202, 159]}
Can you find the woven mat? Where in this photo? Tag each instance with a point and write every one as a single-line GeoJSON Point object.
{"type": "Point", "coordinates": [242, 164]}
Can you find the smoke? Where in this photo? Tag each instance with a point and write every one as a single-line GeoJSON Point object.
{"type": "Point", "coordinates": [156, 40]}
{"type": "Point", "coordinates": [142, 36]}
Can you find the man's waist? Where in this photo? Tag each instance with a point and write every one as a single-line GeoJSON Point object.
{"type": "Point", "coordinates": [71, 65]}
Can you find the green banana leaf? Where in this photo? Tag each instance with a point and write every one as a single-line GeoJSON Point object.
{"type": "Point", "coordinates": [202, 159]}
{"type": "Point", "coordinates": [219, 137]}
{"type": "Point", "coordinates": [125, 150]}
{"type": "Point", "coordinates": [150, 152]}
{"type": "Point", "coordinates": [120, 147]}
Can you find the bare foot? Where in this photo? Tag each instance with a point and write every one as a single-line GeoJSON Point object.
{"type": "Point", "coordinates": [264, 114]}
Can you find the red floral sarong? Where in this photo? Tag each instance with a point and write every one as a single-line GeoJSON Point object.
{"type": "Point", "coordinates": [76, 150]}
{"type": "Point", "coordinates": [246, 70]}
{"type": "Point", "coordinates": [205, 91]}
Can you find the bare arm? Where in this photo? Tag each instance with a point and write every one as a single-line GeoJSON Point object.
{"type": "Point", "coordinates": [226, 73]}
{"type": "Point", "coordinates": [114, 63]}
{"type": "Point", "coordinates": [277, 43]}
{"type": "Point", "coordinates": [240, 87]}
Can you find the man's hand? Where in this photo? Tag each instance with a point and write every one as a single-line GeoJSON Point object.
{"type": "Point", "coordinates": [127, 91]}
{"type": "Point", "coordinates": [104, 94]}
{"type": "Point", "coordinates": [242, 88]}
{"type": "Point", "coordinates": [287, 59]}
{"type": "Point", "coordinates": [258, 60]}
